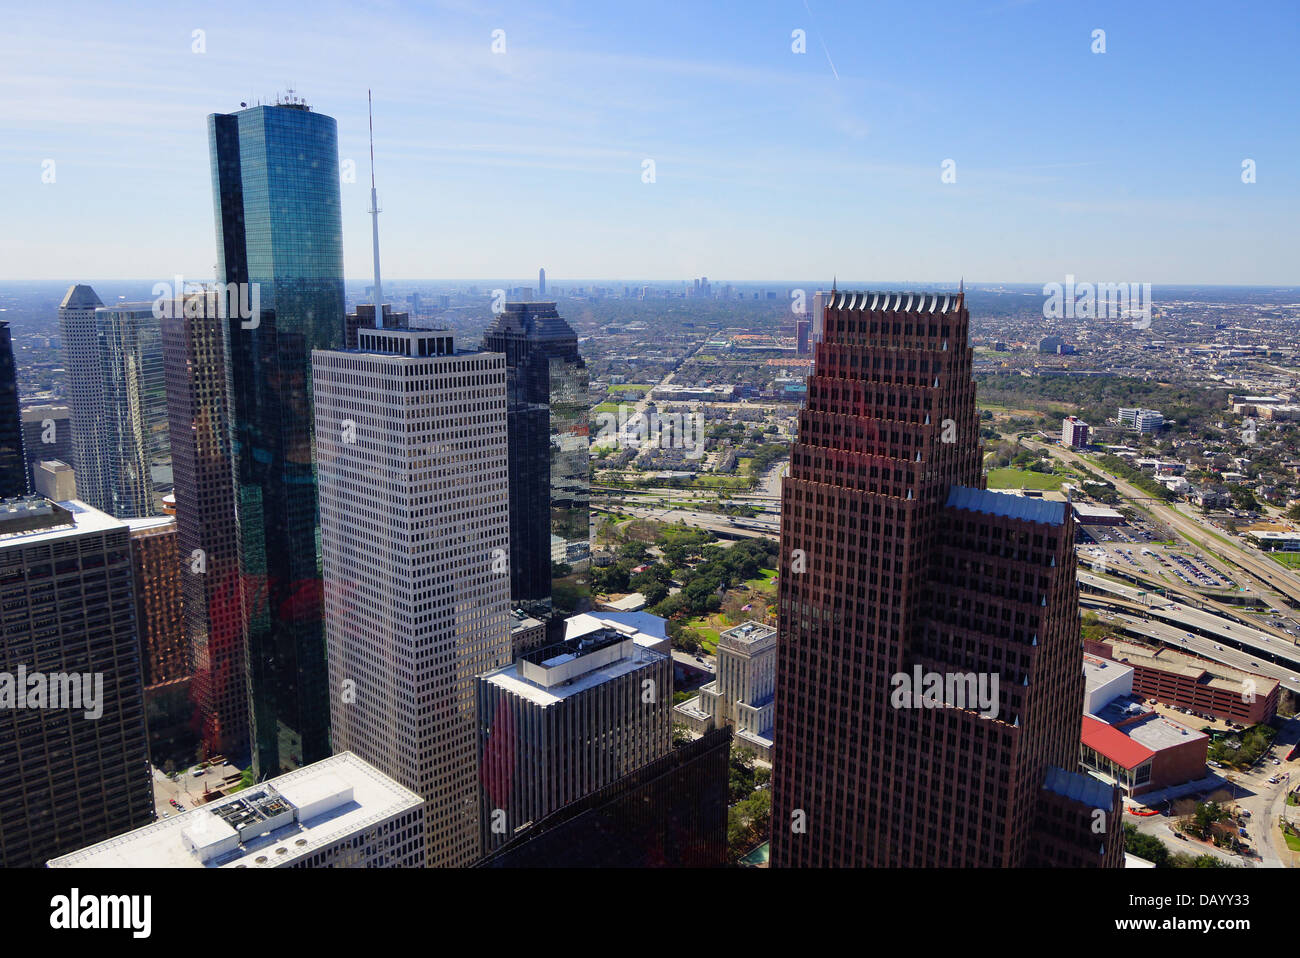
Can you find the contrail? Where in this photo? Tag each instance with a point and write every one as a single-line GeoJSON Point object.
{"type": "Point", "coordinates": [822, 42]}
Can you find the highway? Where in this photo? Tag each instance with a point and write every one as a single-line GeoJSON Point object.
{"type": "Point", "coordinates": [1174, 635]}
{"type": "Point", "coordinates": [1244, 557]}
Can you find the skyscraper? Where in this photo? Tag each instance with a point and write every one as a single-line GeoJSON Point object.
{"type": "Point", "coordinates": [14, 480]}
{"type": "Point", "coordinates": [206, 535]}
{"type": "Point", "coordinates": [74, 764]}
{"type": "Point", "coordinates": [901, 573]}
{"type": "Point", "coordinates": [411, 445]}
{"type": "Point", "coordinates": [113, 358]}
{"type": "Point", "coordinates": [79, 337]}
{"type": "Point", "coordinates": [565, 720]}
{"type": "Point", "coordinates": [550, 488]}
{"type": "Point", "coordinates": [275, 177]}
{"type": "Point", "coordinates": [541, 282]}
{"type": "Point", "coordinates": [132, 425]}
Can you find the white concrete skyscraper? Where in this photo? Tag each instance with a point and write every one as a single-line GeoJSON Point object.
{"type": "Point", "coordinates": [414, 513]}
{"type": "Point", "coordinates": [79, 338]}
{"type": "Point", "coordinates": [113, 357]}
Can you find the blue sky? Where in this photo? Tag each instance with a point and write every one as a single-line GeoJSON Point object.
{"type": "Point", "coordinates": [770, 165]}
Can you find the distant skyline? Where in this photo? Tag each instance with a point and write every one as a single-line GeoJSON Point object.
{"type": "Point", "coordinates": [1116, 166]}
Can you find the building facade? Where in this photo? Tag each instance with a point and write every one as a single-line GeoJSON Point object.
{"type": "Point", "coordinates": [1202, 685]}
{"type": "Point", "coordinates": [74, 765]}
{"type": "Point", "coordinates": [670, 813]}
{"type": "Point", "coordinates": [411, 446]}
{"type": "Point", "coordinates": [275, 179]}
{"type": "Point", "coordinates": [565, 720]}
{"type": "Point", "coordinates": [47, 434]}
{"type": "Point", "coordinates": [164, 651]}
{"type": "Point", "coordinates": [133, 425]}
{"type": "Point", "coordinates": [550, 487]}
{"type": "Point", "coordinates": [207, 540]}
{"type": "Point", "coordinates": [899, 571]}
{"type": "Point", "coordinates": [15, 478]}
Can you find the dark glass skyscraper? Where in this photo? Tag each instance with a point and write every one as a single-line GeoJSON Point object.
{"type": "Point", "coordinates": [275, 180]}
{"type": "Point", "coordinates": [550, 488]}
{"type": "Point", "coordinates": [13, 468]}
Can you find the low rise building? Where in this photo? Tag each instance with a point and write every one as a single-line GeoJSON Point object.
{"type": "Point", "coordinates": [339, 812]}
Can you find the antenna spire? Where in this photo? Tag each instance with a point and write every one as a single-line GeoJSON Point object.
{"type": "Point", "coordinates": [374, 217]}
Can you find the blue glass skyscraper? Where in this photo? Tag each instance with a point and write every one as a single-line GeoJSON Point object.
{"type": "Point", "coordinates": [275, 181]}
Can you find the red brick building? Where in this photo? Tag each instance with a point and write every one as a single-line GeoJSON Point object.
{"type": "Point", "coordinates": [1185, 681]}
{"type": "Point", "coordinates": [895, 558]}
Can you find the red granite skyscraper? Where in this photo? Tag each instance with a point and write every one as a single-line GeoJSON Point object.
{"type": "Point", "coordinates": [895, 563]}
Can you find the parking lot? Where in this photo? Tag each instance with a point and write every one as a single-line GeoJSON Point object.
{"type": "Point", "coordinates": [187, 789]}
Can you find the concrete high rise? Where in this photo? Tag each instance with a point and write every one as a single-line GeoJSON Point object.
{"type": "Point", "coordinates": [541, 282]}
{"type": "Point", "coordinates": [207, 540]}
{"type": "Point", "coordinates": [411, 448]}
{"type": "Point", "coordinates": [84, 374]}
{"type": "Point", "coordinates": [566, 720]}
{"type": "Point", "coordinates": [275, 176]}
{"type": "Point", "coordinates": [113, 358]}
{"type": "Point", "coordinates": [929, 681]}
{"type": "Point", "coordinates": [550, 487]}
{"type": "Point", "coordinates": [74, 763]}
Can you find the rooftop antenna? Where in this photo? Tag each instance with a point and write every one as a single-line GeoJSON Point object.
{"type": "Point", "coordinates": [374, 217]}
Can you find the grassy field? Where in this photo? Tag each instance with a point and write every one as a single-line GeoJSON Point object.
{"type": "Point", "coordinates": [708, 634]}
{"type": "Point", "coordinates": [605, 407]}
{"type": "Point", "coordinates": [623, 387]}
{"type": "Point", "coordinates": [1018, 478]}
{"type": "Point", "coordinates": [766, 582]}
{"type": "Point", "coordinates": [1289, 559]}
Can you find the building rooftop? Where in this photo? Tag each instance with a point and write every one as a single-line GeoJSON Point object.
{"type": "Point", "coordinates": [1010, 507]}
{"type": "Point", "coordinates": [1202, 671]}
{"type": "Point", "coordinates": [31, 519]}
{"type": "Point", "coordinates": [80, 296]}
{"type": "Point", "coordinates": [274, 823]}
{"type": "Point", "coordinates": [554, 673]}
{"type": "Point", "coordinates": [1113, 743]}
{"type": "Point", "coordinates": [904, 302]}
{"type": "Point", "coordinates": [1098, 671]}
